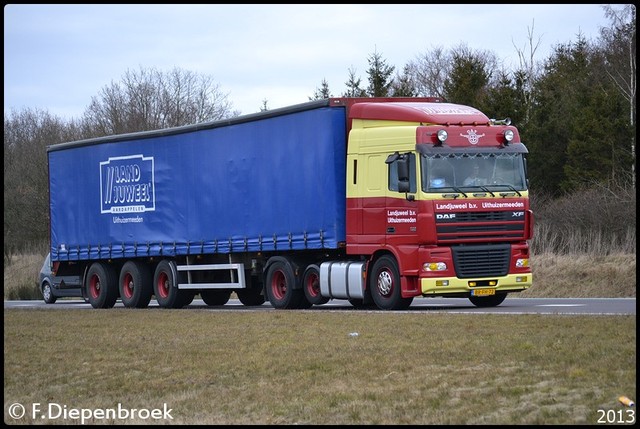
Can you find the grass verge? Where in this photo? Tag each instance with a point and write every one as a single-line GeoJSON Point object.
{"type": "Point", "coordinates": [302, 367]}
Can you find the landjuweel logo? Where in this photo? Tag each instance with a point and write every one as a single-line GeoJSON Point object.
{"type": "Point", "coordinates": [472, 136]}
{"type": "Point", "coordinates": [127, 185]}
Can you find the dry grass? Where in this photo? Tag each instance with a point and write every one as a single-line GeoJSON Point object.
{"type": "Point", "coordinates": [583, 276]}
{"type": "Point", "coordinates": [303, 367]}
{"type": "Point", "coordinates": [21, 275]}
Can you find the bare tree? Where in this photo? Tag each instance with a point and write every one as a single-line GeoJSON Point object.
{"type": "Point", "coordinates": [429, 71]}
{"type": "Point", "coordinates": [403, 85]}
{"type": "Point", "coordinates": [528, 71]}
{"type": "Point", "coordinates": [27, 134]}
{"type": "Point", "coordinates": [620, 61]}
{"type": "Point", "coordinates": [149, 99]}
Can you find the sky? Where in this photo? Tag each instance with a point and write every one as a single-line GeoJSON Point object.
{"type": "Point", "coordinates": [57, 57]}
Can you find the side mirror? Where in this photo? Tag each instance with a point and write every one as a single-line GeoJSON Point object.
{"type": "Point", "coordinates": [403, 168]}
{"type": "Point", "coordinates": [402, 171]}
{"type": "Point", "coordinates": [403, 174]}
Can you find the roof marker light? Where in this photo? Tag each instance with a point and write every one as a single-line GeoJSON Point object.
{"type": "Point", "coordinates": [508, 136]}
{"type": "Point", "coordinates": [442, 136]}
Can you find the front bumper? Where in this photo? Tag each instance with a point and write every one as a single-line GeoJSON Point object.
{"type": "Point", "coordinates": [508, 283]}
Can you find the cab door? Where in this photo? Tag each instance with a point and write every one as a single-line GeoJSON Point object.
{"type": "Point", "coordinates": [401, 212]}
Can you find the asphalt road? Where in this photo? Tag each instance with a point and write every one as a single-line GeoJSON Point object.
{"type": "Point", "coordinates": [512, 305]}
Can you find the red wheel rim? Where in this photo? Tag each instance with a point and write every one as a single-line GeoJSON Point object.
{"type": "Point", "coordinates": [163, 285]}
{"type": "Point", "coordinates": [313, 284]}
{"type": "Point", "coordinates": [94, 286]}
{"type": "Point", "coordinates": [279, 284]}
{"type": "Point", "coordinates": [127, 286]}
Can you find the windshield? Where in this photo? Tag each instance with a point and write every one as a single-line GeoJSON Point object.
{"type": "Point", "coordinates": [492, 171]}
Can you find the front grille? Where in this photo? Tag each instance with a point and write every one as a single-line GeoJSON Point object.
{"type": "Point", "coordinates": [483, 216]}
{"type": "Point", "coordinates": [487, 260]}
{"type": "Point", "coordinates": [495, 226]}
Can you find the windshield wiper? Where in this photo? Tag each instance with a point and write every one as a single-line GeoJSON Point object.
{"type": "Point", "coordinates": [510, 187]}
{"type": "Point", "coordinates": [458, 190]}
{"type": "Point", "coordinates": [484, 188]}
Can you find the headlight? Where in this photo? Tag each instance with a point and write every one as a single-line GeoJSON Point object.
{"type": "Point", "coordinates": [434, 266]}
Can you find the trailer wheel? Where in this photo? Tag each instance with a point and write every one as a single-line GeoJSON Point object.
{"type": "Point", "coordinates": [488, 301]}
{"type": "Point", "coordinates": [385, 285]}
{"type": "Point", "coordinates": [165, 286]}
{"type": "Point", "coordinates": [185, 298]}
{"type": "Point", "coordinates": [311, 286]}
{"type": "Point", "coordinates": [135, 285]}
{"type": "Point", "coordinates": [251, 297]}
{"type": "Point", "coordinates": [102, 285]}
{"type": "Point", "coordinates": [280, 283]}
{"type": "Point", "coordinates": [215, 297]}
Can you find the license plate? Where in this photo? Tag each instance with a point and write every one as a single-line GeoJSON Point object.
{"type": "Point", "coordinates": [483, 292]}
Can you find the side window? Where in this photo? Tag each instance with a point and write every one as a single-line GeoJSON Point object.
{"type": "Point", "coordinates": [393, 174]}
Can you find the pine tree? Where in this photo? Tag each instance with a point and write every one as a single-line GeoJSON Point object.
{"type": "Point", "coordinates": [353, 86]}
{"type": "Point", "coordinates": [379, 73]}
{"type": "Point", "coordinates": [322, 92]}
{"type": "Point", "coordinates": [469, 77]}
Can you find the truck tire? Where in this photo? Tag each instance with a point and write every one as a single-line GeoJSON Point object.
{"type": "Point", "coordinates": [135, 285]}
{"type": "Point", "coordinates": [311, 286]}
{"type": "Point", "coordinates": [363, 303]}
{"type": "Point", "coordinates": [251, 297]}
{"type": "Point", "coordinates": [186, 297]}
{"type": "Point", "coordinates": [488, 301]}
{"type": "Point", "coordinates": [280, 281]}
{"type": "Point", "coordinates": [215, 297]}
{"type": "Point", "coordinates": [360, 303]}
{"type": "Point", "coordinates": [165, 286]}
{"type": "Point", "coordinates": [102, 285]}
{"type": "Point", "coordinates": [385, 285]}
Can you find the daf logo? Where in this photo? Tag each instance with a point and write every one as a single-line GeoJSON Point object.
{"type": "Point", "coordinates": [517, 214]}
{"type": "Point", "coordinates": [446, 216]}
{"type": "Point", "coordinates": [472, 136]}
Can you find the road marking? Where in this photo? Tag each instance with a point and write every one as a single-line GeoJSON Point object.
{"type": "Point", "coordinates": [561, 305]}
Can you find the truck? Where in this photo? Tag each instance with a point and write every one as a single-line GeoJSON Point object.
{"type": "Point", "coordinates": [357, 199]}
